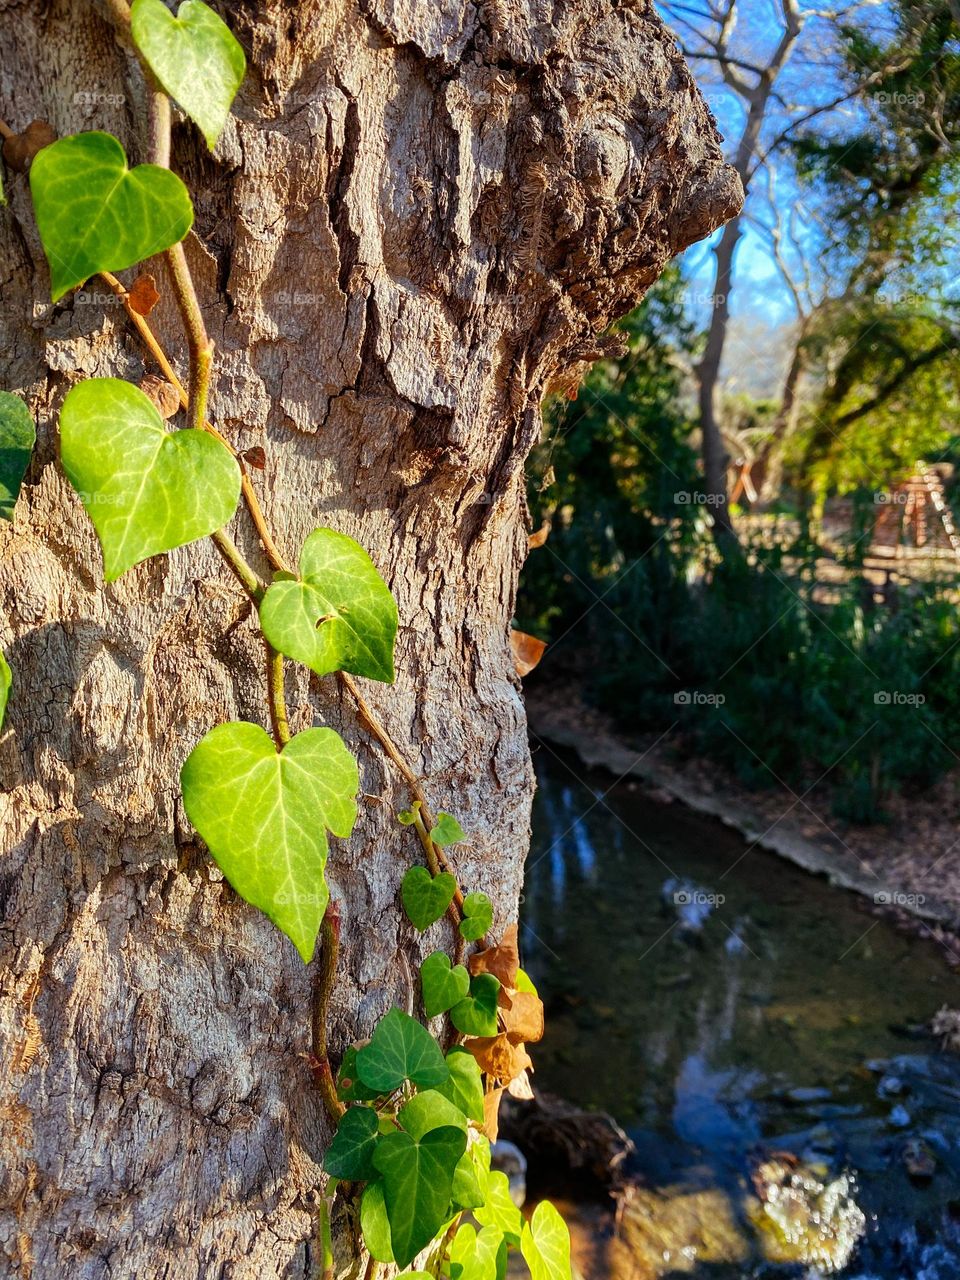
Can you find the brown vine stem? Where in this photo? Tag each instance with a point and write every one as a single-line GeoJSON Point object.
{"type": "Point", "coordinates": [277, 697]}
{"type": "Point", "coordinates": [152, 344]}
{"type": "Point", "coordinates": [6, 131]}
{"type": "Point", "coordinates": [325, 980]}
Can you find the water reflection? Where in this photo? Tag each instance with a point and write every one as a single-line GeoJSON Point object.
{"type": "Point", "coordinates": [744, 1021]}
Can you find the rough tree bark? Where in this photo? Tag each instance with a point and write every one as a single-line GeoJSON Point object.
{"type": "Point", "coordinates": [422, 214]}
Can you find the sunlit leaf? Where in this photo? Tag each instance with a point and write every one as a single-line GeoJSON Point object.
{"type": "Point", "coordinates": [428, 1110]}
{"type": "Point", "coordinates": [477, 1014]}
{"type": "Point", "coordinates": [194, 56]}
{"type": "Point", "coordinates": [264, 815]}
{"type": "Point", "coordinates": [95, 214]}
{"type": "Point", "coordinates": [374, 1222]}
{"type": "Point", "coordinates": [17, 438]}
{"type": "Point", "coordinates": [145, 488]}
{"type": "Point", "coordinates": [545, 1244]}
{"type": "Point", "coordinates": [338, 616]}
{"type": "Point", "coordinates": [6, 682]}
{"type": "Point", "coordinates": [477, 916]}
{"type": "Point", "coordinates": [478, 1255]}
{"type": "Point", "coordinates": [464, 1086]}
{"type": "Point", "coordinates": [447, 830]}
{"type": "Point", "coordinates": [498, 1209]}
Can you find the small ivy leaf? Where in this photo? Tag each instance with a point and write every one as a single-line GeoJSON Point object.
{"type": "Point", "coordinates": [406, 817]}
{"type": "Point", "coordinates": [498, 1209]}
{"type": "Point", "coordinates": [17, 438]}
{"type": "Point", "coordinates": [447, 830]}
{"type": "Point", "coordinates": [146, 489]}
{"type": "Point", "coordinates": [374, 1222]}
{"type": "Point", "coordinates": [350, 1154]}
{"type": "Point", "coordinates": [428, 1110]}
{"type": "Point", "coordinates": [6, 681]}
{"type": "Point", "coordinates": [478, 1255]}
{"type": "Point", "coordinates": [350, 1088]}
{"type": "Point", "coordinates": [94, 214]}
{"type": "Point", "coordinates": [545, 1244]}
{"type": "Point", "coordinates": [425, 897]}
{"type": "Point", "coordinates": [418, 1179]}
{"type": "Point", "coordinates": [523, 983]}
{"type": "Point", "coordinates": [477, 1014]}
{"type": "Point", "coordinates": [416, 1275]}
{"type": "Point", "coordinates": [401, 1049]}
{"type": "Point", "coordinates": [464, 1087]}
{"type": "Point", "coordinates": [264, 815]}
{"type": "Point", "coordinates": [443, 985]}
{"type": "Point", "coordinates": [195, 56]}
{"type": "Point", "coordinates": [340, 615]}
{"type": "Point", "coordinates": [477, 916]}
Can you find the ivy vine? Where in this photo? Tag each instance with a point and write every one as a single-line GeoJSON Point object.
{"type": "Point", "coordinates": [415, 1111]}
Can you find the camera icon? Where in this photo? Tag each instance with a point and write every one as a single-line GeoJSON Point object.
{"type": "Point", "coordinates": [682, 498]}
{"type": "Point", "coordinates": [682, 898]}
{"type": "Point", "coordinates": [883, 898]}
{"type": "Point", "coordinates": [882, 698]}
{"type": "Point", "coordinates": [682, 698]}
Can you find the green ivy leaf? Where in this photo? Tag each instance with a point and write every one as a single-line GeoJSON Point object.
{"type": "Point", "coordinates": [477, 1014]}
{"type": "Point", "coordinates": [350, 1088]}
{"type": "Point", "coordinates": [417, 1275]}
{"type": "Point", "coordinates": [443, 985]}
{"type": "Point", "coordinates": [350, 1154]}
{"type": "Point", "coordinates": [264, 815]}
{"type": "Point", "coordinates": [447, 830]}
{"type": "Point", "coordinates": [429, 1110]}
{"type": "Point", "coordinates": [418, 1178]}
{"type": "Point", "coordinates": [146, 489]}
{"type": "Point", "coordinates": [467, 1192]}
{"type": "Point", "coordinates": [374, 1222]}
{"type": "Point", "coordinates": [464, 1087]}
{"type": "Point", "coordinates": [401, 1049]}
{"type": "Point", "coordinates": [478, 1255]}
{"type": "Point", "coordinates": [545, 1244]}
{"type": "Point", "coordinates": [339, 617]}
{"type": "Point", "coordinates": [477, 916]}
{"type": "Point", "coordinates": [194, 56]}
{"type": "Point", "coordinates": [6, 680]}
{"type": "Point", "coordinates": [94, 214]}
{"type": "Point", "coordinates": [17, 438]}
{"type": "Point", "coordinates": [498, 1209]}
{"type": "Point", "coordinates": [425, 897]}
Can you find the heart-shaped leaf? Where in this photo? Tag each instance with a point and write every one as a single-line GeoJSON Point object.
{"type": "Point", "coordinates": [17, 438]}
{"type": "Point", "coordinates": [443, 985]}
{"type": "Point", "coordinates": [428, 1110]}
{"type": "Point", "coordinates": [498, 1209]}
{"type": "Point", "coordinates": [478, 1255]}
{"type": "Point", "coordinates": [339, 616]}
{"type": "Point", "coordinates": [418, 1178]}
{"type": "Point", "coordinates": [477, 1014]}
{"type": "Point", "coordinates": [264, 815]}
{"type": "Point", "coordinates": [545, 1244]}
{"type": "Point", "coordinates": [425, 897]}
{"type": "Point", "coordinates": [194, 56]}
{"type": "Point", "coordinates": [350, 1088]}
{"type": "Point", "coordinates": [477, 916]}
{"type": "Point", "coordinates": [350, 1154]}
{"type": "Point", "coordinates": [6, 680]}
{"type": "Point", "coordinates": [374, 1222]}
{"type": "Point", "coordinates": [94, 214]}
{"type": "Point", "coordinates": [466, 1192]}
{"type": "Point", "coordinates": [447, 830]}
{"type": "Point", "coordinates": [146, 489]}
{"type": "Point", "coordinates": [464, 1088]}
{"type": "Point", "coordinates": [401, 1049]}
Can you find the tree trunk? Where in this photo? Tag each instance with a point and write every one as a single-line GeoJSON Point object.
{"type": "Point", "coordinates": [421, 214]}
{"type": "Point", "coordinates": [787, 421]}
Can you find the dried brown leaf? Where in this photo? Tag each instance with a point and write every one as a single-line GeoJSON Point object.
{"type": "Point", "coordinates": [491, 1113]}
{"type": "Point", "coordinates": [19, 150]}
{"type": "Point", "coordinates": [521, 1013]}
{"type": "Point", "coordinates": [539, 538]}
{"type": "Point", "coordinates": [255, 457]}
{"type": "Point", "coordinates": [498, 1057]}
{"type": "Point", "coordinates": [527, 651]}
{"type": "Point", "coordinates": [502, 961]}
{"type": "Point", "coordinates": [521, 1088]}
{"type": "Point", "coordinates": [143, 295]}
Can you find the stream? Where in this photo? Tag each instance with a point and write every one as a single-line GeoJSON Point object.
{"type": "Point", "coordinates": [758, 1034]}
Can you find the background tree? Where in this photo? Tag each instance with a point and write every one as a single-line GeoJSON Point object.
{"type": "Point", "coordinates": [418, 219]}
